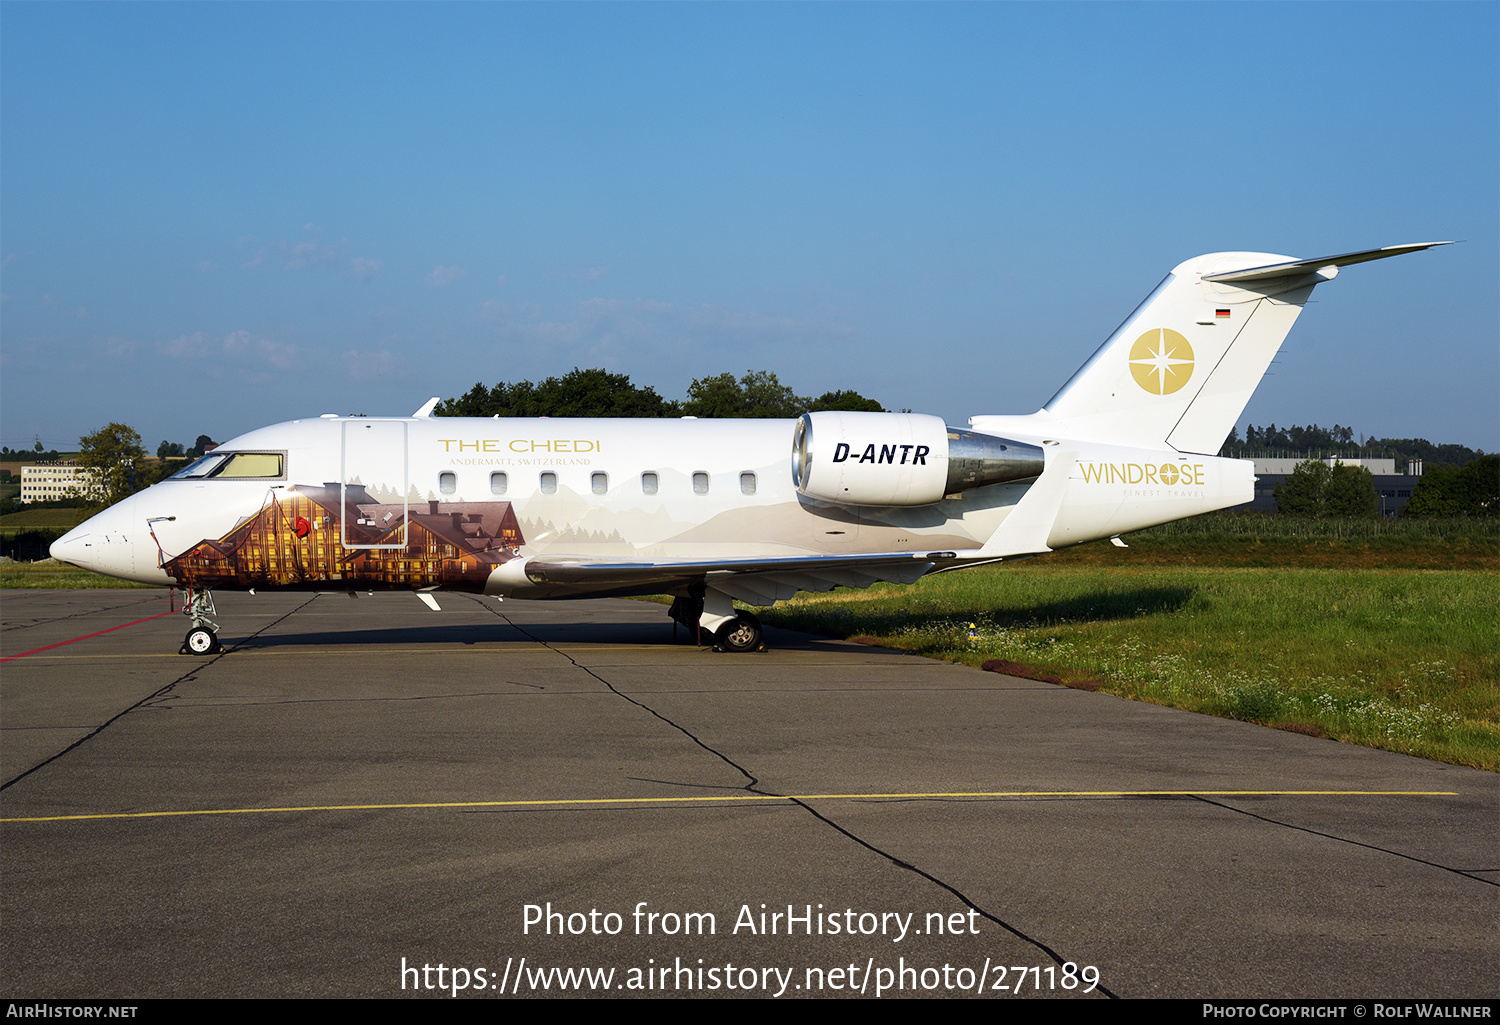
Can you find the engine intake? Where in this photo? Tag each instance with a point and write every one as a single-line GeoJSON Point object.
{"type": "Point", "coordinates": [900, 458]}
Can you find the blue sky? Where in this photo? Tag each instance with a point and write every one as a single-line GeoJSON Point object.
{"type": "Point", "coordinates": [217, 216]}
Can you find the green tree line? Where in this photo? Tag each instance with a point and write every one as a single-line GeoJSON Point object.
{"type": "Point", "coordinates": [600, 393]}
{"type": "Point", "coordinates": [26, 455]}
{"type": "Point", "coordinates": [1314, 442]}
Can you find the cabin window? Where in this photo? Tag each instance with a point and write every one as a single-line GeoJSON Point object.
{"type": "Point", "coordinates": [747, 483]}
{"type": "Point", "coordinates": [648, 483]}
{"type": "Point", "coordinates": [700, 483]}
{"type": "Point", "coordinates": [599, 482]}
{"type": "Point", "coordinates": [549, 483]}
{"type": "Point", "coordinates": [498, 482]}
{"type": "Point", "coordinates": [447, 482]}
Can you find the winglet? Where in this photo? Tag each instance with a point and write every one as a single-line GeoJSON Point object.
{"type": "Point", "coordinates": [426, 411]}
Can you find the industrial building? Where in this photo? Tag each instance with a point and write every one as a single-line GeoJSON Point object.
{"type": "Point", "coordinates": [1393, 489]}
{"type": "Point", "coordinates": [49, 482]}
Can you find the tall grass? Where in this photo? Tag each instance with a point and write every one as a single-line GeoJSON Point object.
{"type": "Point", "coordinates": [1240, 525]}
{"type": "Point", "coordinates": [1250, 539]}
{"type": "Point", "coordinates": [1402, 660]}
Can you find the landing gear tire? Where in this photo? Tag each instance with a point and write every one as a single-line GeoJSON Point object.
{"type": "Point", "coordinates": [200, 641]}
{"type": "Point", "coordinates": [743, 633]}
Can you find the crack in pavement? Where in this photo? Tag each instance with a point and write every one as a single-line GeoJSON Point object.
{"type": "Point", "coordinates": [29, 624]}
{"type": "Point", "coordinates": [150, 698]}
{"type": "Point", "coordinates": [753, 786]}
{"type": "Point", "coordinates": [1345, 839]}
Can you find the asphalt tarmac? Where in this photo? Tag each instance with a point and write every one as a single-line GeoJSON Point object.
{"type": "Point", "coordinates": [356, 792]}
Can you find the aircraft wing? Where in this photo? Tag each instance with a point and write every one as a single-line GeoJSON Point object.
{"type": "Point", "coordinates": [769, 580]}
{"type": "Point", "coordinates": [755, 581]}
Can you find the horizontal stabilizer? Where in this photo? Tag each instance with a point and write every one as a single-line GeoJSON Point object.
{"type": "Point", "coordinates": [1181, 369]}
{"type": "Point", "coordinates": [1283, 270]}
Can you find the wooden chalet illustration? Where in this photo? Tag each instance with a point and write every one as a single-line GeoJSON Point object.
{"type": "Point", "coordinates": [307, 538]}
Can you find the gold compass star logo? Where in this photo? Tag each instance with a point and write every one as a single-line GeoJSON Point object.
{"type": "Point", "coordinates": [1161, 361]}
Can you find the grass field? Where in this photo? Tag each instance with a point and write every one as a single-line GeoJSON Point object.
{"type": "Point", "coordinates": [54, 574]}
{"type": "Point", "coordinates": [29, 518]}
{"type": "Point", "coordinates": [1397, 659]}
{"type": "Point", "coordinates": [1250, 539]}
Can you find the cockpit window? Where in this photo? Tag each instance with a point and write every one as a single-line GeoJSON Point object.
{"type": "Point", "coordinates": [201, 467]}
{"type": "Point", "coordinates": [251, 464]}
{"type": "Point", "coordinates": [236, 465]}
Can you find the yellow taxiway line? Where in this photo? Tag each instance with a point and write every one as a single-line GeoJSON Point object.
{"type": "Point", "coordinates": [574, 802]}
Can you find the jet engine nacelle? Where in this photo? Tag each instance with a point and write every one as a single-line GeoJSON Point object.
{"type": "Point", "coordinates": [899, 458]}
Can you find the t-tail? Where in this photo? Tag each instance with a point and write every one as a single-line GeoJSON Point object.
{"type": "Point", "coordinates": [1180, 370]}
{"type": "Point", "coordinates": [1130, 439]}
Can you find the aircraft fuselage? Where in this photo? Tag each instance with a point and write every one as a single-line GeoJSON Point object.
{"type": "Point", "coordinates": [646, 490]}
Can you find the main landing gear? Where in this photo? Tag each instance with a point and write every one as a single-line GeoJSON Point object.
{"type": "Point", "coordinates": [740, 634]}
{"type": "Point", "coordinates": [711, 615]}
{"type": "Point", "coordinates": [203, 638]}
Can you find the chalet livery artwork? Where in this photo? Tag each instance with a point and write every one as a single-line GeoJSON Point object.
{"type": "Point", "coordinates": [717, 510]}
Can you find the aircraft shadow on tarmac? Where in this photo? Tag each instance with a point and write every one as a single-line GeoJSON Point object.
{"type": "Point", "coordinates": [1099, 606]}
{"type": "Point", "coordinates": [630, 633]}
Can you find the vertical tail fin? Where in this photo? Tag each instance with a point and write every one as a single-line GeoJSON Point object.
{"type": "Point", "coordinates": [1182, 367]}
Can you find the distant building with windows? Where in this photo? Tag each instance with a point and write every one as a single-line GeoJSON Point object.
{"type": "Point", "coordinates": [49, 482]}
{"type": "Point", "coordinates": [1392, 488]}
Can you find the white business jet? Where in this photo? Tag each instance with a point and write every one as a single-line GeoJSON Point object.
{"type": "Point", "coordinates": [714, 511]}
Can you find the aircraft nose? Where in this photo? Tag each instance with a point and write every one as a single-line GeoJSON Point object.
{"type": "Point", "coordinates": [73, 547]}
{"type": "Point", "coordinates": [102, 543]}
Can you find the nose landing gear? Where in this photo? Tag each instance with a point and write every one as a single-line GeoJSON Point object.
{"type": "Point", "coordinates": [203, 638]}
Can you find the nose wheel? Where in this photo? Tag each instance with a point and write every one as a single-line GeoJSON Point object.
{"type": "Point", "coordinates": [200, 640]}
{"type": "Point", "coordinates": [203, 638]}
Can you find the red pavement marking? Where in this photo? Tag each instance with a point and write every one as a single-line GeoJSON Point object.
{"type": "Point", "coordinates": [85, 637]}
